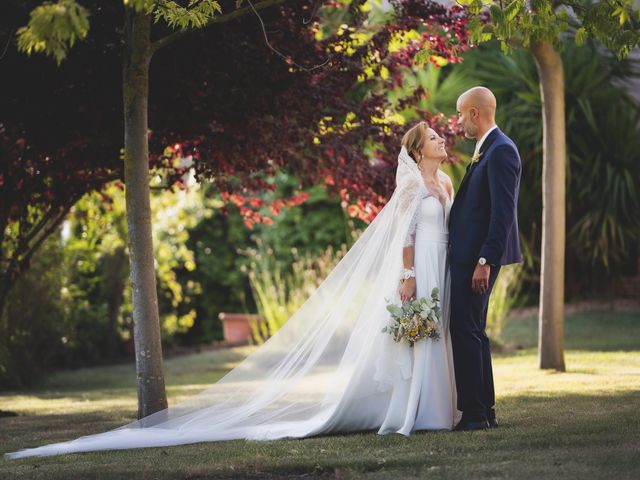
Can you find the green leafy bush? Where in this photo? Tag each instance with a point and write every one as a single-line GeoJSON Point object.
{"type": "Point", "coordinates": [280, 291]}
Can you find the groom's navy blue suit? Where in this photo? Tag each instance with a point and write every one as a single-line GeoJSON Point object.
{"type": "Point", "coordinates": [483, 223]}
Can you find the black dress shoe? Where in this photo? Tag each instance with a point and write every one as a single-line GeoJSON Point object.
{"type": "Point", "coordinates": [471, 426]}
{"type": "Point", "coordinates": [493, 423]}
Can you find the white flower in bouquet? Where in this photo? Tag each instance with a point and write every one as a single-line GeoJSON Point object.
{"type": "Point", "coordinates": [415, 319]}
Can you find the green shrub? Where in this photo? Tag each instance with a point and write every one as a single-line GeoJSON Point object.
{"type": "Point", "coordinates": [32, 325]}
{"type": "Point", "coordinates": [279, 292]}
{"type": "Point", "coordinates": [503, 297]}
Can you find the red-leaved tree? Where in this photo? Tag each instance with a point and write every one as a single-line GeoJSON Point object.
{"type": "Point", "coordinates": [220, 95]}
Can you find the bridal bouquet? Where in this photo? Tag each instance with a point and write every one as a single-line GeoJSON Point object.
{"type": "Point", "coordinates": [415, 319]}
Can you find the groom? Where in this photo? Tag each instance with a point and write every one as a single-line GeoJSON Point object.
{"type": "Point", "coordinates": [483, 233]}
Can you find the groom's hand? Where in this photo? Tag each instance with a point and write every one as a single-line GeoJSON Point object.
{"type": "Point", "coordinates": [480, 279]}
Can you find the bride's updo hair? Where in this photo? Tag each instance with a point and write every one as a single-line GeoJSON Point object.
{"type": "Point", "coordinates": [414, 139]}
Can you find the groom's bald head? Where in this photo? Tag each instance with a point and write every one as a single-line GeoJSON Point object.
{"type": "Point", "coordinates": [481, 98]}
{"type": "Point", "coordinates": [476, 110]}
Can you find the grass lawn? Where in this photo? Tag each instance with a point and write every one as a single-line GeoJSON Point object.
{"type": "Point", "coordinates": [584, 423]}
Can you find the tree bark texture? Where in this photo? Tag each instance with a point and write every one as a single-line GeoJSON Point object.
{"type": "Point", "coordinates": [135, 89]}
{"type": "Point", "coordinates": [551, 316]}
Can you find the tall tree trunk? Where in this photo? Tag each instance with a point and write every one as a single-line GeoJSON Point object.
{"type": "Point", "coordinates": [551, 316]}
{"type": "Point", "coordinates": [135, 89]}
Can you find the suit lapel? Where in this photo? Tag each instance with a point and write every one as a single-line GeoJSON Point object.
{"type": "Point", "coordinates": [471, 167]}
{"type": "Point", "coordinates": [489, 141]}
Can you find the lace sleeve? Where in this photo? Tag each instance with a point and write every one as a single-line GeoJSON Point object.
{"type": "Point", "coordinates": [407, 194]}
{"type": "Point", "coordinates": [410, 239]}
{"type": "Point", "coordinates": [410, 188]}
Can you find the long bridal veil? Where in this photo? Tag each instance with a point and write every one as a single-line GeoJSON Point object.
{"type": "Point", "coordinates": [322, 371]}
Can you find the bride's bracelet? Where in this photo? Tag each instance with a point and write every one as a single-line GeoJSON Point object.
{"type": "Point", "coordinates": [408, 273]}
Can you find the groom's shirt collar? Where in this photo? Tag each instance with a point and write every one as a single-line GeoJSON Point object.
{"type": "Point", "coordinates": [484, 137]}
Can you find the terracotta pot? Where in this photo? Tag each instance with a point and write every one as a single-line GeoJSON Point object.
{"type": "Point", "coordinates": [236, 327]}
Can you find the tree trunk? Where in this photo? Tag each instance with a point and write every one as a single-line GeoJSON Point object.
{"type": "Point", "coordinates": [135, 89]}
{"type": "Point", "coordinates": [551, 316]}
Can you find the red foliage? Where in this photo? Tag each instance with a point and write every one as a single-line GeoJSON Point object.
{"type": "Point", "coordinates": [257, 115]}
{"type": "Point", "coordinates": [224, 98]}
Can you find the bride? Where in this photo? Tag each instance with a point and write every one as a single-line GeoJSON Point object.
{"type": "Point", "coordinates": [330, 368]}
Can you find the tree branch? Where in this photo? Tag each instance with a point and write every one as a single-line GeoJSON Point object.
{"type": "Point", "coordinates": [22, 244]}
{"type": "Point", "coordinates": [7, 44]}
{"type": "Point", "coordinates": [18, 265]}
{"type": "Point", "coordinates": [24, 262]}
{"type": "Point", "coordinates": [315, 9]}
{"type": "Point", "coordinates": [35, 228]}
{"type": "Point", "coordinates": [277, 52]}
{"type": "Point", "coordinates": [172, 37]}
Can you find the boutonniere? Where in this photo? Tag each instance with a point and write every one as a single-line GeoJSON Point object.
{"type": "Point", "coordinates": [476, 157]}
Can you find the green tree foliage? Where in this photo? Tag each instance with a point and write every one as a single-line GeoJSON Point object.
{"type": "Point", "coordinates": [30, 326]}
{"type": "Point", "coordinates": [53, 28]}
{"type": "Point", "coordinates": [84, 284]}
{"type": "Point", "coordinates": [196, 15]}
{"type": "Point", "coordinates": [221, 285]}
{"type": "Point", "coordinates": [614, 23]}
{"type": "Point", "coordinates": [97, 234]}
{"type": "Point", "coordinates": [83, 312]}
{"type": "Point", "coordinates": [217, 240]}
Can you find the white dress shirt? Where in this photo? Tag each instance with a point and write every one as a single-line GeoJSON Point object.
{"type": "Point", "coordinates": [481, 141]}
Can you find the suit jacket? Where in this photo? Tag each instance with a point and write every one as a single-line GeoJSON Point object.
{"type": "Point", "coordinates": [484, 221]}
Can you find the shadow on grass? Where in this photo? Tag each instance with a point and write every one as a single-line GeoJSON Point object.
{"type": "Point", "coordinates": [111, 385]}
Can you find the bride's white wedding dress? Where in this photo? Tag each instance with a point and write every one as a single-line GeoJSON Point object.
{"type": "Point", "coordinates": [427, 399]}
{"type": "Point", "coordinates": [329, 368]}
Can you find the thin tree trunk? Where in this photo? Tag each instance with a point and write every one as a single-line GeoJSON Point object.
{"type": "Point", "coordinates": [135, 87]}
{"type": "Point", "coordinates": [551, 316]}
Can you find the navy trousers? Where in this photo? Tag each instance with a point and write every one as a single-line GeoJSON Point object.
{"type": "Point", "coordinates": [471, 354]}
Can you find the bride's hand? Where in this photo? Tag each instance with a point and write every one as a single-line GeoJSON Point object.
{"type": "Point", "coordinates": [408, 289]}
